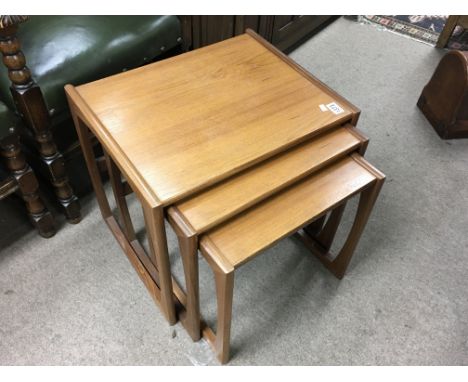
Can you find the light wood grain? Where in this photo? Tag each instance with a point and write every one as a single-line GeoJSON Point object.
{"type": "Point", "coordinates": [224, 295]}
{"type": "Point", "coordinates": [195, 119]}
{"type": "Point", "coordinates": [155, 229]}
{"type": "Point", "coordinates": [266, 223]}
{"type": "Point", "coordinates": [234, 195]}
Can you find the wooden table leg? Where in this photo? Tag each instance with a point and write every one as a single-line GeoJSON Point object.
{"type": "Point", "coordinates": [327, 235]}
{"type": "Point", "coordinates": [444, 36]}
{"type": "Point", "coordinates": [339, 263]}
{"type": "Point", "coordinates": [156, 231]}
{"type": "Point", "coordinates": [153, 268]}
{"type": "Point", "coordinates": [115, 178]}
{"type": "Point", "coordinates": [189, 254]}
{"type": "Point", "coordinates": [316, 226]}
{"type": "Point", "coordinates": [188, 245]}
{"type": "Point", "coordinates": [224, 296]}
{"type": "Point", "coordinates": [87, 148]}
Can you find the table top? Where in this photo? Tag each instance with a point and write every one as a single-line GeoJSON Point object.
{"type": "Point", "coordinates": [250, 233]}
{"type": "Point", "coordinates": [241, 191]}
{"type": "Point", "coordinates": [187, 122]}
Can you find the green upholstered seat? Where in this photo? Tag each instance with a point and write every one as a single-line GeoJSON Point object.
{"type": "Point", "coordinates": [7, 120]}
{"type": "Point", "coordinates": [79, 49]}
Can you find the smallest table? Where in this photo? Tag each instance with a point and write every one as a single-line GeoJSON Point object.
{"type": "Point", "coordinates": [248, 221]}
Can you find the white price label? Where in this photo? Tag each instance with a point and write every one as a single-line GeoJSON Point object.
{"type": "Point", "coordinates": [335, 108]}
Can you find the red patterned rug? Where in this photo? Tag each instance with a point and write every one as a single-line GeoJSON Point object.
{"type": "Point", "coordinates": [424, 28]}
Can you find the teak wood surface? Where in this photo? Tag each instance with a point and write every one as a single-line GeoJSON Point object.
{"type": "Point", "coordinates": [184, 123]}
{"type": "Point", "coordinates": [239, 240]}
{"type": "Point", "coordinates": [243, 190]}
{"type": "Point", "coordinates": [177, 127]}
{"type": "Point", "coordinates": [231, 197]}
{"type": "Point", "coordinates": [251, 232]}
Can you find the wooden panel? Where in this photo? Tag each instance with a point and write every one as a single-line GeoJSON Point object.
{"type": "Point", "coordinates": [187, 122]}
{"type": "Point", "coordinates": [265, 27]}
{"type": "Point", "coordinates": [249, 233]}
{"type": "Point", "coordinates": [257, 183]}
{"type": "Point", "coordinates": [244, 22]}
{"type": "Point", "coordinates": [211, 29]}
{"type": "Point", "coordinates": [187, 32]}
{"type": "Point", "coordinates": [283, 21]}
{"type": "Point", "coordinates": [283, 31]}
{"type": "Point", "coordinates": [289, 30]}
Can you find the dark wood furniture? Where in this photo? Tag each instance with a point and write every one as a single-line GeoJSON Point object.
{"type": "Point", "coordinates": [239, 127]}
{"type": "Point", "coordinates": [444, 100]}
{"type": "Point", "coordinates": [71, 49]}
{"type": "Point", "coordinates": [31, 105]}
{"type": "Point", "coordinates": [19, 177]}
{"type": "Point", "coordinates": [284, 32]}
{"type": "Point", "coordinates": [449, 27]}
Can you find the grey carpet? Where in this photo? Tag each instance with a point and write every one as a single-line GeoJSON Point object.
{"type": "Point", "coordinates": [74, 299]}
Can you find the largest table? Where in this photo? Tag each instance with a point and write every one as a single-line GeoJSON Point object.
{"type": "Point", "coordinates": [178, 126]}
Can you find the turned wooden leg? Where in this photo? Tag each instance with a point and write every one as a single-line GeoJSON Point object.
{"type": "Point", "coordinates": [27, 185]}
{"type": "Point", "coordinates": [31, 105]}
{"type": "Point", "coordinates": [224, 295]}
{"type": "Point", "coordinates": [189, 253]}
{"type": "Point", "coordinates": [156, 232]}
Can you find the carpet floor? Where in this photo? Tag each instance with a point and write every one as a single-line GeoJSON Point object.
{"type": "Point", "coordinates": [424, 28]}
{"type": "Point", "coordinates": [75, 300]}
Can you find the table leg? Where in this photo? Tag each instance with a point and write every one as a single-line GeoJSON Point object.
{"type": "Point", "coordinates": [115, 178]}
{"type": "Point", "coordinates": [224, 296]}
{"type": "Point", "coordinates": [449, 27]}
{"type": "Point", "coordinates": [316, 226]}
{"type": "Point", "coordinates": [339, 263]}
{"type": "Point", "coordinates": [162, 291]}
{"type": "Point", "coordinates": [366, 202]}
{"type": "Point", "coordinates": [87, 148]}
{"type": "Point", "coordinates": [189, 254]}
{"type": "Point", "coordinates": [154, 219]}
{"type": "Point", "coordinates": [327, 235]}
{"type": "Point", "coordinates": [188, 245]}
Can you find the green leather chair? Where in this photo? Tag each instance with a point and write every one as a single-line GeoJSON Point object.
{"type": "Point", "coordinates": [71, 49]}
{"type": "Point", "coordinates": [17, 176]}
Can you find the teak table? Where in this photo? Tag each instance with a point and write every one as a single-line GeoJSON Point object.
{"type": "Point", "coordinates": [181, 126]}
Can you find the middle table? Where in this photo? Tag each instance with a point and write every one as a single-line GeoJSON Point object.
{"type": "Point", "coordinates": [179, 126]}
